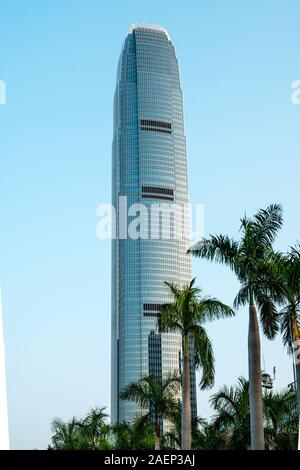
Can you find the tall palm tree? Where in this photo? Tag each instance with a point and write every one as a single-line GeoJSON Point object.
{"type": "Point", "coordinates": [252, 260]}
{"type": "Point", "coordinates": [159, 397]}
{"type": "Point", "coordinates": [186, 315]}
{"type": "Point", "coordinates": [290, 313]}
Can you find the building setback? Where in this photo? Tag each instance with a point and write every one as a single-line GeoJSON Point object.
{"type": "Point", "coordinates": [148, 167]}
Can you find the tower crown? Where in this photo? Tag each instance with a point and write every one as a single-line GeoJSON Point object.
{"type": "Point", "coordinates": [148, 27]}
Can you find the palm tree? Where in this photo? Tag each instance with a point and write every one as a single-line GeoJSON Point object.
{"type": "Point", "coordinates": [290, 313]}
{"type": "Point", "coordinates": [159, 397]}
{"type": "Point", "coordinates": [252, 260]}
{"type": "Point", "coordinates": [137, 435]}
{"type": "Point", "coordinates": [186, 315]}
{"type": "Point", "coordinates": [173, 435]}
{"type": "Point", "coordinates": [281, 420]}
{"type": "Point", "coordinates": [210, 437]}
{"type": "Point", "coordinates": [95, 430]}
{"type": "Point", "coordinates": [66, 435]}
{"type": "Point", "coordinates": [90, 433]}
{"type": "Point", "coordinates": [233, 414]}
{"type": "Point", "coordinates": [232, 418]}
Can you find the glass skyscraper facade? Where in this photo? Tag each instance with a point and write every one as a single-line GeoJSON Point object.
{"type": "Point", "coordinates": [148, 167]}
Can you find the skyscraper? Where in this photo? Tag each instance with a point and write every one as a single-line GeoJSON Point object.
{"type": "Point", "coordinates": [149, 168]}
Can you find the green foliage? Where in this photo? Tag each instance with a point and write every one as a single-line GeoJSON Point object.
{"type": "Point", "coordinates": [267, 279]}
{"type": "Point", "coordinates": [228, 429]}
{"type": "Point", "coordinates": [289, 316]}
{"type": "Point", "coordinates": [187, 314]}
{"type": "Point", "coordinates": [253, 261]}
{"type": "Point", "coordinates": [158, 398]}
{"type": "Point", "coordinates": [135, 436]}
{"type": "Point", "coordinates": [281, 420]}
{"type": "Point", "coordinates": [232, 418]}
{"type": "Point", "coordinates": [90, 433]}
{"type": "Point", "coordinates": [151, 394]}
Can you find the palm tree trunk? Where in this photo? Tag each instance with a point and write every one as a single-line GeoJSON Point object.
{"type": "Point", "coordinates": [157, 433]}
{"type": "Point", "coordinates": [255, 387]}
{"type": "Point", "coordinates": [186, 433]}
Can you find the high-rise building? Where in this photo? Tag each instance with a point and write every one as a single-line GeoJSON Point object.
{"type": "Point", "coordinates": [149, 168]}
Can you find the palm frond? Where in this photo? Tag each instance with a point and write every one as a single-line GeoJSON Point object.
{"type": "Point", "coordinates": [169, 319]}
{"type": "Point", "coordinates": [137, 392]}
{"type": "Point", "coordinates": [242, 297]}
{"type": "Point", "coordinates": [269, 318]}
{"type": "Point", "coordinates": [218, 248]}
{"type": "Point", "coordinates": [286, 316]}
{"type": "Point", "coordinates": [204, 356]}
{"type": "Point", "coordinates": [267, 223]}
{"type": "Point", "coordinates": [175, 290]}
{"type": "Point", "coordinates": [171, 383]}
{"type": "Point", "coordinates": [223, 400]}
{"type": "Point", "coordinates": [210, 309]}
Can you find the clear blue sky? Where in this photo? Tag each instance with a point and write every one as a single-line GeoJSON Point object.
{"type": "Point", "coordinates": [58, 60]}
